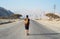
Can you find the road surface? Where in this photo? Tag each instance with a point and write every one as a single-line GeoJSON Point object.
{"type": "Point", "coordinates": [37, 31]}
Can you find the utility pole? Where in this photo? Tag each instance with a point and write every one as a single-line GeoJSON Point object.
{"type": "Point", "coordinates": [54, 8]}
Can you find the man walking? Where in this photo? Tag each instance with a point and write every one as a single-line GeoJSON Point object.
{"type": "Point", "coordinates": [27, 22]}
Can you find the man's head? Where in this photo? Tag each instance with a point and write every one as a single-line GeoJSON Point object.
{"type": "Point", "coordinates": [27, 16]}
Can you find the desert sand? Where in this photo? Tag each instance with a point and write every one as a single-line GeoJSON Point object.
{"type": "Point", "coordinates": [53, 25]}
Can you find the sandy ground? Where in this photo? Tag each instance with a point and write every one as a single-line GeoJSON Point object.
{"type": "Point", "coordinates": [54, 25]}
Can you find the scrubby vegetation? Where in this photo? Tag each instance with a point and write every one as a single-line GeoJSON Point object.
{"type": "Point", "coordinates": [52, 16]}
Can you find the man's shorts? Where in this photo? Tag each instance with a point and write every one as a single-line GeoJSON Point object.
{"type": "Point", "coordinates": [26, 27]}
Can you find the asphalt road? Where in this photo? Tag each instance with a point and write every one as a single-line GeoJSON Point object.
{"type": "Point", "coordinates": [37, 31]}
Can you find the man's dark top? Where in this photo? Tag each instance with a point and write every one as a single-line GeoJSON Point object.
{"type": "Point", "coordinates": [28, 22]}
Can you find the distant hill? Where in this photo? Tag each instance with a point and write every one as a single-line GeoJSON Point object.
{"type": "Point", "coordinates": [5, 13]}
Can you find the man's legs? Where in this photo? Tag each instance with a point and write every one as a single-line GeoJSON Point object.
{"type": "Point", "coordinates": [27, 30]}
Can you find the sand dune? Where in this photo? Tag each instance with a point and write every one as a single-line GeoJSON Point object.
{"type": "Point", "coordinates": [54, 25]}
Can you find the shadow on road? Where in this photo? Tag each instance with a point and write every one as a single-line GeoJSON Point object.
{"type": "Point", "coordinates": [45, 34]}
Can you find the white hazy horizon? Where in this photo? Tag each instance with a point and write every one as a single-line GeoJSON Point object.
{"type": "Point", "coordinates": [33, 13]}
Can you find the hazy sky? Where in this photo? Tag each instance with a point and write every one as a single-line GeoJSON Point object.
{"type": "Point", "coordinates": [18, 5]}
{"type": "Point", "coordinates": [30, 4]}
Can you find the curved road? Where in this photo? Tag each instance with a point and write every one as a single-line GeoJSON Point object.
{"type": "Point", "coordinates": [37, 31]}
